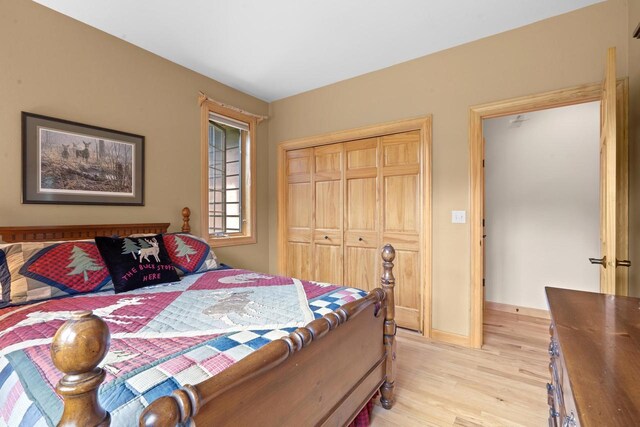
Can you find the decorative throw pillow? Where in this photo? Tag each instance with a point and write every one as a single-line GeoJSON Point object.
{"type": "Point", "coordinates": [136, 262]}
{"type": "Point", "coordinates": [34, 271]}
{"type": "Point", "coordinates": [189, 254]}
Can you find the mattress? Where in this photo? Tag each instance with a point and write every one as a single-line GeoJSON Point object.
{"type": "Point", "coordinates": [162, 337]}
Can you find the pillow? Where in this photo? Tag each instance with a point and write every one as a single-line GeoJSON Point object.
{"type": "Point", "coordinates": [34, 271]}
{"type": "Point", "coordinates": [189, 254]}
{"type": "Point", "coordinates": [136, 262]}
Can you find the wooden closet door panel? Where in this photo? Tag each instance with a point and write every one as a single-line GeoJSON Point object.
{"type": "Point", "coordinates": [361, 267]}
{"type": "Point", "coordinates": [407, 272]}
{"type": "Point", "coordinates": [401, 203]}
{"type": "Point", "coordinates": [299, 165]}
{"type": "Point", "coordinates": [401, 221]}
{"type": "Point", "coordinates": [328, 263]}
{"type": "Point", "coordinates": [362, 154]}
{"type": "Point", "coordinates": [328, 162]}
{"type": "Point", "coordinates": [362, 204]}
{"type": "Point", "coordinates": [299, 205]}
{"type": "Point", "coordinates": [328, 205]}
{"type": "Point", "coordinates": [298, 256]}
{"type": "Point", "coordinates": [361, 235]}
{"type": "Point", "coordinates": [327, 178]}
{"type": "Point", "coordinates": [401, 149]}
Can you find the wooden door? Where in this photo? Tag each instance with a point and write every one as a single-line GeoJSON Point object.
{"type": "Point", "coordinates": [361, 215]}
{"type": "Point", "coordinates": [299, 170]}
{"type": "Point", "coordinates": [613, 186]}
{"type": "Point", "coordinates": [484, 229]}
{"type": "Point", "coordinates": [401, 219]}
{"type": "Point", "coordinates": [328, 208]}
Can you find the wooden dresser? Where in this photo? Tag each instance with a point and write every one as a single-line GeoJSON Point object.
{"type": "Point", "coordinates": [595, 359]}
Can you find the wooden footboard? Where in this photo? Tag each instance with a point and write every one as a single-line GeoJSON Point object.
{"type": "Point", "coordinates": [321, 374]}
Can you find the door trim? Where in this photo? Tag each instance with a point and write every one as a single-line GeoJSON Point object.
{"type": "Point", "coordinates": [422, 124]}
{"type": "Point", "coordinates": [557, 98]}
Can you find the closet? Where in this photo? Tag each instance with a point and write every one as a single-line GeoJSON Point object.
{"type": "Point", "coordinates": [344, 201]}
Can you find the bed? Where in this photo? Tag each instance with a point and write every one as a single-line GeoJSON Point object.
{"type": "Point", "coordinates": [182, 370]}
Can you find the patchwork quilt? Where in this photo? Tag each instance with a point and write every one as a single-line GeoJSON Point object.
{"type": "Point", "coordinates": [162, 338]}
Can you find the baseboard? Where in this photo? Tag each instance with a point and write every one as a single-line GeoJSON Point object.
{"type": "Point", "coordinates": [525, 311]}
{"type": "Point", "coordinates": [449, 338]}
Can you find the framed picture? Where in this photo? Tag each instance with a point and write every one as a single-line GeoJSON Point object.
{"type": "Point", "coordinates": [65, 162]}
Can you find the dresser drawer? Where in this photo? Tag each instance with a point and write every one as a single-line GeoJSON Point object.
{"type": "Point", "coordinates": [562, 412]}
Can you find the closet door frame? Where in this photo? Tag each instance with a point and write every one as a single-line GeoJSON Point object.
{"type": "Point", "coordinates": [421, 124]}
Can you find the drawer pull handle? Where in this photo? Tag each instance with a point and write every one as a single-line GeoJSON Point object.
{"type": "Point", "coordinates": [554, 372]}
{"type": "Point", "coordinates": [326, 237]}
{"type": "Point", "coordinates": [550, 390]}
{"type": "Point", "coordinates": [360, 239]}
{"type": "Point", "coordinates": [569, 420]}
{"type": "Point", "coordinates": [602, 261]}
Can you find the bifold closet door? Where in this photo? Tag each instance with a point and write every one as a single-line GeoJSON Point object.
{"type": "Point", "coordinates": [402, 219]}
{"type": "Point", "coordinates": [299, 213]}
{"type": "Point", "coordinates": [328, 208]}
{"type": "Point", "coordinates": [361, 235]}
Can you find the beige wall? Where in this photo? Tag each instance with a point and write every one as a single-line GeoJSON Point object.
{"type": "Point", "coordinates": [560, 52]}
{"type": "Point", "coordinates": [56, 66]}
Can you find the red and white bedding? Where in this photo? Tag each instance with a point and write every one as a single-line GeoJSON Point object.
{"type": "Point", "coordinates": [162, 337]}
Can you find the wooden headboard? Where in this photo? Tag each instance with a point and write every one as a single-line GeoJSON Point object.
{"type": "Point", "coordinates": [39, 233]}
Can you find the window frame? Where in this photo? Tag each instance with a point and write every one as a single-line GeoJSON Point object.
{"type": "Point", "coordinates": [248, 188]}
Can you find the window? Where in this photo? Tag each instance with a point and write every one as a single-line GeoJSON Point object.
{"type": "Point", "coordinates": [228, 169]}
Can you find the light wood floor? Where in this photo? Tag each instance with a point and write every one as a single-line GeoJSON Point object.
{"type": "Point", "coordinates": [501, 385]}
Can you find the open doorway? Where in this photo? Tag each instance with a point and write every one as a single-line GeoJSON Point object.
{"type": "Point", "coordinates": [542, 205]}
{"type": "Point", "coordinates": [612, 261]}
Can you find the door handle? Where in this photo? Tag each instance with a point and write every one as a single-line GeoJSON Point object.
{"type": "Point", "coordinates": [623, 263]}
{"type": "Point", "coordinates": [602, 261]}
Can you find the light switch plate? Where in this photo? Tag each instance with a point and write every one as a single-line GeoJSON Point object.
{"type": "Point", "coordinates": [458, 217]}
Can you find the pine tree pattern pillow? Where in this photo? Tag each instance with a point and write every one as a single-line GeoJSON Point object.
{"type": "Point", "coordinates": [136, 262]}
{"type": "Point", "coordinates": [35, 271]}
{"type": "Point", "coordinates": [189, 254]}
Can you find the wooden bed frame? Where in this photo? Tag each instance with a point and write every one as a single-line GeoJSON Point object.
{"type": "Point", "coordinates": [320, 374]}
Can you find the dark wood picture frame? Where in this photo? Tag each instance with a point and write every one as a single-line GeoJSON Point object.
{"type": "Point", "coordinates": [65, 162]}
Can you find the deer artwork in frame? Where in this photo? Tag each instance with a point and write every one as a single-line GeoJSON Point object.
{"type": "Point", "coordinates": [65, 162]}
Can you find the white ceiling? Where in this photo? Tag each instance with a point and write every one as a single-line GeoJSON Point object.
{"type": "Point", "coordinates": [278, 48]}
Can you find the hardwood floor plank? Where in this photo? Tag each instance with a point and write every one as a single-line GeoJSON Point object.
{"type": "Point", "coordinates": [503, 384]}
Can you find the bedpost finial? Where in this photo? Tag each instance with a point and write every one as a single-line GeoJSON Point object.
{"type": "Point", "coordinates": [77, 349]}
{"type": "Point", "coordinates": [80, 344]}
{"type": "Point", "coordinates": [388, 253]}
{"type": "Point", "coordinates": [186, 215]}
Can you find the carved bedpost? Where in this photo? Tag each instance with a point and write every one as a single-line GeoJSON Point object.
{"type": "Point", "coordinates": [77, 349]}
{"type": "Point", "coordinates": [388, 282]}
{"type": "Point", "coordinates": [186, 214]}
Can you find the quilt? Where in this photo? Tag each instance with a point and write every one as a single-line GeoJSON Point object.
{"type": "Point", "coordinates": [162, 338]}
